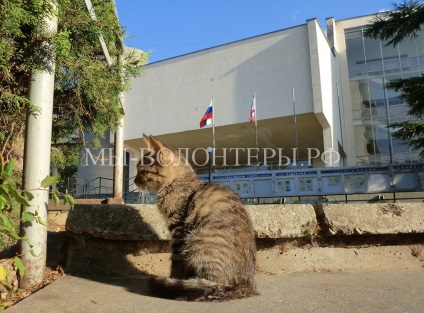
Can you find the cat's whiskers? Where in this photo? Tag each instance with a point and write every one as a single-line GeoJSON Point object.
{"type": "Point", "coordinates": [142, 193]}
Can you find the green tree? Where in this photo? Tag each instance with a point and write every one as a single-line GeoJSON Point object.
{"type": "Point", "coordinates": [17, 19]}
{"type": "Point", "coordinates": [405, 21]}
{"type": "Point", "coordinates": [87, 88]}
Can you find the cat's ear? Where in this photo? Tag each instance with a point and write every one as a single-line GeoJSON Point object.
{"type": "Point", "coordinates": [166, 156]}
{"type": "Point", "coordinates": [156, 144]}
{"type": "Point", "coordinates": [147, 140]}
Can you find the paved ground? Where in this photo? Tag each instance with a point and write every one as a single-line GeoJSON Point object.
{"type": "Point", "coordinates": [377, 291]}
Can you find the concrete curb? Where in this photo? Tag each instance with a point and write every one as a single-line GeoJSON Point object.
{"type": "Point", "coordinates": [376, 218]}
{"type": "Point", "coordinates": [283, 221]}
{"type": "Point", "coordinates": [118, 222]}
{"type": "Point", "coordinates": [291, 238]}
{"type": "Point", "coordinates": [144, 222]}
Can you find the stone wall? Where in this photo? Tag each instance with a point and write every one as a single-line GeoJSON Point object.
{"type": "Point", "coordinates": [290, 238]}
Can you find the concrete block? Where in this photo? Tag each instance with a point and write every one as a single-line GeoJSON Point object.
{"type": "Point", "coordinates": [372, 218]}
{"type": "Point", "coordinates": [144, 222]}
{"type": "Point", "coordinates": [283, 221]}
{"type": "Point", "coordinates": [326, 259]}
{"type": "Point", "coordinates": [118, 222]}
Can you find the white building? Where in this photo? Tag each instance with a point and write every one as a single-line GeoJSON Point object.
{"type": "Point", "coordinates": [339, 100]}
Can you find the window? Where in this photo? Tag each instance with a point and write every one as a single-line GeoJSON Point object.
{"type": "Point", "coordinates": [371, 64]}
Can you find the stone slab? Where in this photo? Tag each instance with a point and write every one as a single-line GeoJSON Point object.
{"type": "Point", "coordinates": [118, 222]}
{"type": "Point", "coordinates": [283, 221]}
{"type": "Point", "coordinates": [372, 218]}
{"type": "Point", "coordinates": [335, 259]}
{"type": "Point", "coordinates": [144, 222]}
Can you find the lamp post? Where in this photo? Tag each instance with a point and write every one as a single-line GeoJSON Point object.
{"type": "Point", "coordinates": [209, 149]}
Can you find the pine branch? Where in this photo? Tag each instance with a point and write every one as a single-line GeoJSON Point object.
{"type": "Point", "coordinates": [412, 93]}
{"type": "Point", "coordinates": [411, 132]}
{"type": "Point", "coordinates": [395, 26]}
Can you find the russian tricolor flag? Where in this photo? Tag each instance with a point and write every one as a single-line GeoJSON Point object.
{"type": "Point", "coordinates": [207, 117]}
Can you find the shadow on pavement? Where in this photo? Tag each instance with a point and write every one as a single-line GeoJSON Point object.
{"type": "Point", "coordinates": [107, 260]}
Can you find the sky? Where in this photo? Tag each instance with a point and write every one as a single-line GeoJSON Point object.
{"type": "Point", "coordinates": [169, 28]}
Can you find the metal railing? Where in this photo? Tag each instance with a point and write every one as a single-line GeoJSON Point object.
{"type": "Point", "coordinates": [311, 185]}
{"type": "Point", "coordinates": [95, 188]}
{"type": "Point", "coordinates": [102, 188]}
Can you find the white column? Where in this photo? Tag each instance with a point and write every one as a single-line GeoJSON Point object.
{"type": "Point", "coordinates": [37, 166]}
{"type": "Point", "coordinates": [118, 167]}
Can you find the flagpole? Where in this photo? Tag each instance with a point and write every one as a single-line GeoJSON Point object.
{"type": "Point", "coordinates": [295, 127]}
{"type": "Point", "coordinates": [256, 128]}
{"type": "Point", "coordinates": [213, 124]}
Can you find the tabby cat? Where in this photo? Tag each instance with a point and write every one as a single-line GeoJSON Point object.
{"type": "Point", "coordinates": [213, 251]}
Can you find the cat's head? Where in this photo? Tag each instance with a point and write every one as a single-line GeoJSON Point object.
{"type": "Point", "coordinates": [159, 167]}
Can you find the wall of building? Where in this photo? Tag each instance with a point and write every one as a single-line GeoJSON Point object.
{"type": "Point", "coordinates": [325, 81]}
{"type": "Point", "coordinates": [368, 65]}
{"type": "Point", "coordinates": [172, 95]}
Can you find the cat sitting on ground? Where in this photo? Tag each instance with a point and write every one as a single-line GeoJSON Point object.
{"type": "Point", "coordinates": [213, 250]}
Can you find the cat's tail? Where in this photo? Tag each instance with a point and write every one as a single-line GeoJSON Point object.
{"type": "Point", "coordinates": [197, 289]}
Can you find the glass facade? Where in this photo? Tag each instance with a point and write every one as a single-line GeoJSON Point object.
{"type": "Point", "coordinates": [371, 64]}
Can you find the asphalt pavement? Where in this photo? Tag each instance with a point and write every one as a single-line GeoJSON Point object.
{"type": "Point", "coordinates": [376, 291]}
